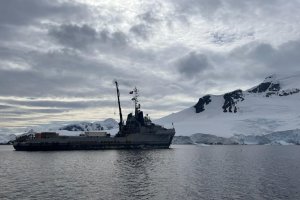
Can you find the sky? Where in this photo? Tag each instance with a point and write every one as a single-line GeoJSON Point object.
{"type": "Point", "coordinates": [59, 58]}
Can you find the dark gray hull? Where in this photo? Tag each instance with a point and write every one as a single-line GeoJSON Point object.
{"type": "Point", "coordinates": [63, 147]}
{"type": "Point", "coordinates": [134, 141]}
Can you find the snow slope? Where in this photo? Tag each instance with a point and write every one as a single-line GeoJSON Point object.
{"type": "Point", "coordinates": [74, 129]}
{"type": "Point", "coordinates": [4, 138]}
{"type": "Point", "coordinates": [91, 126]}
{"type": "Point", "coordinates": [273, 105]}
{"type": "Point", "coordinates": [109, 125]}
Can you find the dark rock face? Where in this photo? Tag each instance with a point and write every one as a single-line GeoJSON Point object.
{"type": "Point", "coordinates": [264, 87]}
{"type": "Point", "coordinates": [202, 101]}
{"type": "Point", "coordinates": [231, 99]}
{"type": "Point", "coordinates": [272, 89]}
{"type": "Point", "coordinates": [286, 93]}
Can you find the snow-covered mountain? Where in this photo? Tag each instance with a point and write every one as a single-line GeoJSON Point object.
{"type": "Point", "coordinates": [110, 125]}
{"type": "Point", "coordinates": [4, 138]}
{"type": "Point", "coordinates": [272, 106]}
{"type": "Point", "coordinates": [107, 124]}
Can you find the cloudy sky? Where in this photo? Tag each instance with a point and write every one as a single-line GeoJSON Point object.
{"type": "Point", "coordinates": [58, 58]}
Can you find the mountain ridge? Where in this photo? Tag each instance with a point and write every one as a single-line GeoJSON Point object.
{"type": "Point", "coordinates": [273, 105]}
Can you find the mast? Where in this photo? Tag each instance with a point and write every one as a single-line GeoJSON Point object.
{"type": "Point", "coordinates": [136, 101]}
{"type": "Point", "coordinates": [120, 110]}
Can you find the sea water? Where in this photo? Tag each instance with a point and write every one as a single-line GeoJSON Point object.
{"type": "Point", "coordinates": [181, 172]}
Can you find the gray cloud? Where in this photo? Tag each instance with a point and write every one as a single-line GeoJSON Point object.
{"type": "Point", "coordinates": [149, 16]}
{"type": "Point", "coordinates": [74, 36]}
{"type": "Point", "coordinates": [206, 8]}
{"type": "Point", "coordinates": [221, 9]}
{"type": "Point", "coordinates": [223, 38]}
{"type": "Point", "coordinates": [140, 30]}
{"type": "Point", "coordinates": [147, 21]}
{"type": "Point", "coordinates": [193, 64]}
{"type": "Point", "coordinates": [59, 104]}
{"type": "Point", "coordinates": [80, 37]}
{"type": "Point", "coordinates": [15, 112]}
{"type": "Point", "coordinates": [2, 107]}
{"type": "Point", "coordinates": [286, 57]}
{"type": "Point", "coordinates": [58, 73]}
{"type": "Point", "coordinates": [270, 59]}
{"type": "Point", "coordinates": [18, 12]}
{"type": "Point", "coordinates": [89, 40]}
{"type": "Point", "coordinates": [241, 67]}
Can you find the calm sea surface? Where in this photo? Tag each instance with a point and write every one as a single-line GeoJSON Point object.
{"type": "Point", "coordinates": [182, 172]}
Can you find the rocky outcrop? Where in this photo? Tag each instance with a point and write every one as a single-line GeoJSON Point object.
{"type": "Point", "coordinates": [231, 99]}
{"type": "Point", "coordinates": [271, 86]}
{"type": "Point", "coordinates": [202, 101]}
{"type": "Point", "coordinates": [265, 87]}
{"type": "Point", "coordinates": [288, 92]}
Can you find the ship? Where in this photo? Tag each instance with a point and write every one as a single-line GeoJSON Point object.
{"type": "Point", "coordinates": [138, 132]}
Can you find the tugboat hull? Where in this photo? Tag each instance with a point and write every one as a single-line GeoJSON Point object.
{"type": "Point", "coordinates": [66, 147]}
{"type": "Point", "coordinates": [96, 143]}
